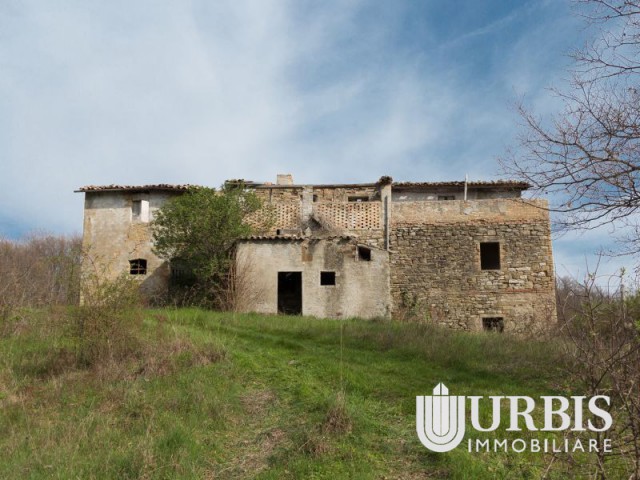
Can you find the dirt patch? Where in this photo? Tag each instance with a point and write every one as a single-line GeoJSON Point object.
{"type": "Point", "coordinates": [257, 402]}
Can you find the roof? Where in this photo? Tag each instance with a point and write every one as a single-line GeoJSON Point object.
{"type": "Point", "coordinates": [314, 185]}
{"type": "Point", "coordinates": [511, 184]}
{"type": "Point", "coordinates": [294, 238]}
{"type": "Point", "coordinates": [479, 184]}
{"type": "Point", "coordinates": [137, 188]}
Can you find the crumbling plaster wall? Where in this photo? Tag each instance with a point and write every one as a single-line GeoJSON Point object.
{"type": "Point", "coordinates": [112, 237]}
{"type": "Point", "coordinates": [361, 290]}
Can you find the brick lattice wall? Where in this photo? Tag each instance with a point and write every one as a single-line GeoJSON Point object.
{"type": "Point", "coordinates": [349, 216]}
{"type": "Point", "coordinates": [286, 215]}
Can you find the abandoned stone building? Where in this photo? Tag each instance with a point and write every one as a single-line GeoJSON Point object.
{"type": "Point", "coordinates": [470, 255]}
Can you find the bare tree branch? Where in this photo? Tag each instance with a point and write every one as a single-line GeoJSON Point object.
{"type": "Point", "coordinates": [588, 156]}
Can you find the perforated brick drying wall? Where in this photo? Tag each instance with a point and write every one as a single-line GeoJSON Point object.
{"type": "Point", "coordinates": [285, 216]}
{"type": "Point", "coordinates": [349, 216]}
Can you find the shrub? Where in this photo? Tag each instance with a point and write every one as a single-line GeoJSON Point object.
{"type": "Point", "coordinates": [197, 233]}
{"type": "Point", "coordinates": [106, 325]}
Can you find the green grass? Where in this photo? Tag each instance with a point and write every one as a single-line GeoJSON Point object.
{"type": "Point", "coordinates": [212, 395]}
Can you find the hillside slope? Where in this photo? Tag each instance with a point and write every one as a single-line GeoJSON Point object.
{"type": "Point", "coordinates": [246, 396]}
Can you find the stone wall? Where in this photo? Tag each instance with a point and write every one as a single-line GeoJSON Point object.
{"type": "Point", "coordinates": [432, 268]}
{"type": "Point", "coordinates": [342, 194]}
{"type": "Point", "coordinates": [279, 194]}
{"type": "Point", "coordinates": [459, 211]}
{"type": "Point", "coordinates": [423, 194]}
{"type": "Point", "coordinates": [435, 263]}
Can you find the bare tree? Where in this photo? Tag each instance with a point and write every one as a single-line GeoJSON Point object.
{"type": "Point", "coordinates": [40, 270]}
{"type": "Point", "coordinates": [588, 156]}
{"type": "Point", "coordinates": [240, 292]}
{"type": "Point", "coordinates": [602, 346]}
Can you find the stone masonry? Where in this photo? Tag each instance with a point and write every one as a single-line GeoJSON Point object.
{"type": "Point", "coordinates": [435, 262]}
{"type": "Point", "coordinates": [469, 255]}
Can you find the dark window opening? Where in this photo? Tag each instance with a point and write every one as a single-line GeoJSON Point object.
{"type": "Point", "coordinates": [493, 324]}
{"type": "Point", "coordinates": [315, 198]}
{"type": "Point", "coordinates": [278, 232]}
{"type": "Point", "coordinates": [358, 199]}
{"type": "Point", "coordinates": [138, 266]}
{"type": "Point", "coordinates": [290, 293]}
{"type": "Point", "coordinates": [140, 210]}
{"type": "Point", "coordinates": [136, 208]}
{"type": "Point", "coordinates": [446, 197]}
{"type": "Point", "coordinates": [490, 256]}
{"type": "Point", "coordinates": [327, 278]}
{"type": "Point", "coordinates": [181, 274]}
{"type": "Point", "coordinates": [364, 253]}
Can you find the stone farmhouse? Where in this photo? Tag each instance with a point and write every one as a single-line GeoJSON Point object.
{"type": "Point", "coordinates": [469, 255]}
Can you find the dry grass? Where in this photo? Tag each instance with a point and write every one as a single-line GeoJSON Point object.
{"type": "Point", "coordinates": [212, 395]}
{"type": "Point", "coordinates": [337, 420]}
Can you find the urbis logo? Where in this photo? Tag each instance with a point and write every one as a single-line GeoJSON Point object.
{"type": "Point", "coordinates": [440, 422]}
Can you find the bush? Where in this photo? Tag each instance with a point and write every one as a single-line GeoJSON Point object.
{"type": "Point", "coordinates": [106, 325]}
{"type": "Point", "coordinates": [197, 233]}
{"type": "Point", "coordinates": [601, 338]}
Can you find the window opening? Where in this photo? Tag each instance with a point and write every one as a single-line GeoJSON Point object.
{"type": "Point", "coordinates": [327, 278]}
{"type": "Point", "coordinates": [493, 324]}
{"type": "Point", "coordinates": [490, 256]}
{"type": "Point", "coordinates": [138, 266]}
{"type": "Point", "coordinates": [364, 254]}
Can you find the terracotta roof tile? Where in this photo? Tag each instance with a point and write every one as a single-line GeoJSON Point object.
{"type": "Point", "coordinates": [169, 187]}
{"type": "Point", "coordinates": [299, 237]}
{"type": "Point", "coordinates": [491, 183]}
{"type": "Point", "coordinates": [113, 188]}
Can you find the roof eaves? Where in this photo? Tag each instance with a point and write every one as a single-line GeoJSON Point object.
{"type": "Point", "coordinates": [117, 188]}
{"type": "Point", "coordinates": [476, 184]}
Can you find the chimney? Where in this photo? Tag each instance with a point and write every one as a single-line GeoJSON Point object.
{"type": "Point", "coordinates": [284, 179]}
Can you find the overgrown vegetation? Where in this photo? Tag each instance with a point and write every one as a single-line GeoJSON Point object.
{"type": "Point", "coordinates": [110, 390]}
{"type": "Point", "coordinates": [197, 232]}
{"type": "Point", "coordinates": [600, 338]}
{"type": "Point", "coordinates": [40, 270]}
{"type": "Point", "coordinates": [254, 397]}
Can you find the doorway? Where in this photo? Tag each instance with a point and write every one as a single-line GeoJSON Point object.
{"type": "Point", "coordinates": [290, 293]}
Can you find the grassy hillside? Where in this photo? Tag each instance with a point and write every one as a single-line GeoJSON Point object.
{"type": "Point", "coordinates": [195, 394]}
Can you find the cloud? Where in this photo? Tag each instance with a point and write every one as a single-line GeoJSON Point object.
{"type": "Point", "coordinates": [197, 92]}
